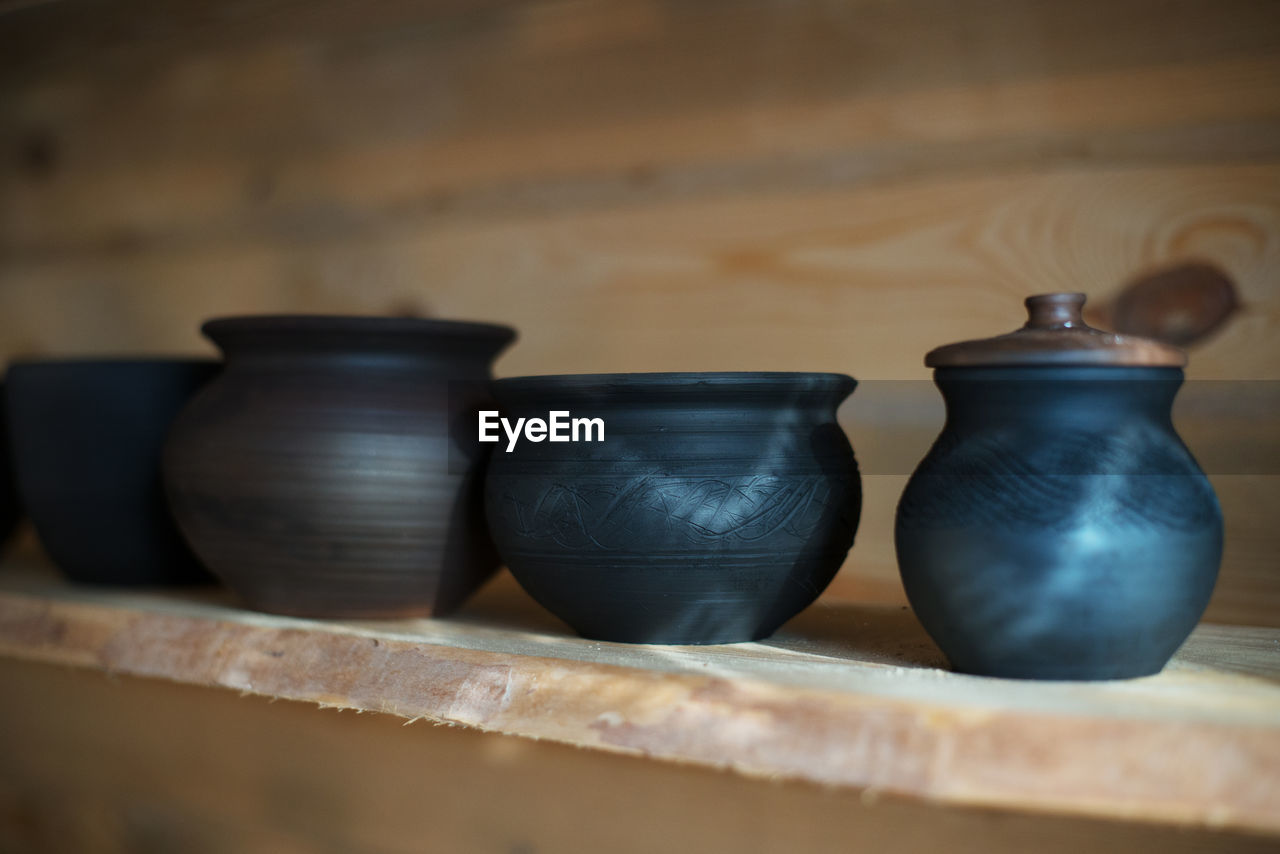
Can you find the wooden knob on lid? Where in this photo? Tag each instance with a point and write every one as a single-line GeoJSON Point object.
{"type": "Point", "coordinates": [1055, 334]}
{"type": "Point", "coordinates": [1055, 311]}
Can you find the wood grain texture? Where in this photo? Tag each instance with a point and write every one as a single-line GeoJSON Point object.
{"type": "Point", "coordinates": [845, 695]}
{"type": "Point", "coordinates": [206, 121]}
{"type": "Point", "coordinates": [791, 281]}
{"type": "Point", "coordinates": [120, 764]}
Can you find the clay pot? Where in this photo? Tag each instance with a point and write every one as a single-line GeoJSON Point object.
{"type": "Point", "coordinates": [10, 507]}
{"type": "Point", "coordinates": [86, 437]}
{"type": "Point", "coordinates": [319, 475]}
{"type": "Point", "coordinates": [717, 507]}
{"type": "Point", "coordinates": [1059, 528]}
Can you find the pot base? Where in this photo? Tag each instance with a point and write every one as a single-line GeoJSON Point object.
{"type": "Point", "coordinates": [1067, 672]}
{"type": "Point", "coordinates": [677, 637]}
{"type": "Point", "coordinates": [683, 602]}
{"type": "Point", "coordinates": [296, 609]}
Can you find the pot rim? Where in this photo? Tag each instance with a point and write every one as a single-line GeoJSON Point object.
{"type": "Point", "coordinates": [353, 324]}
{"type": "Point", "coordinates": [1048, 373]}
{"type": "Point", "coordinates": [25, 363]}
{"type": "Point", "coordinates": [699, 381]}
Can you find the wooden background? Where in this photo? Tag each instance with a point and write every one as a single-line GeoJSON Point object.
{"type": "Point", "coordinates": [646, 185]}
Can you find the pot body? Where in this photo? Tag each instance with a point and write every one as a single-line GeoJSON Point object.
{"type": "Point", "coordinates": [717, 507]}
{"type": "Point", "coordinates": [10, 506]}
{"type": "Point", "coordinates": [1059, 528]}
{"type": "Point", "coordinates": [321, 474]}
{"type": "Point", "coordinates": [87, 437]}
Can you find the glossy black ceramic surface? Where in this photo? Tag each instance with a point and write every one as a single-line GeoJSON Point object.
{"type": "Point", "coordinates": [1059, 528]}
{"type": "Point", "coordinates": [717, 507]}
{"type": "Point", "coordinates": [86, 440]}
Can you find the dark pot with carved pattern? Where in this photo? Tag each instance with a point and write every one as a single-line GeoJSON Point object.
{"type": "Point", "coordinates": [1059, 528]}
{"type": "Point", "coordinates": [715, 507]}
{"type": "Point", "coordinates": [332, 469]}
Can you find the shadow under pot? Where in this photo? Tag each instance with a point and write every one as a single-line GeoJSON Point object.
{"type": "Point", "coordinates": [87, 437]}
{"type": "Point", "coordinates": [1058, 528]}
{"type": "Point", "coordinates": [714, 508]}
{"type": "Point", "coordinates": [332, 470]}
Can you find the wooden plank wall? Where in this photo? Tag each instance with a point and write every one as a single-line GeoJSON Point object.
{"type": "Point", "coordinates": [649, 185]}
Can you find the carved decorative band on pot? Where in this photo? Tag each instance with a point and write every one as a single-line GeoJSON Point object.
{"type": "Point", "coordinates": [332, 470]}
{"type": "Point", "coordinates": [1058, 528]}
{"type": "Point", "coordinates": [717, 506]}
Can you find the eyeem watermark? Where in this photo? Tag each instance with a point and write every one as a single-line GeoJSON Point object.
{"type": "Point", "coordinates": [559, 426]}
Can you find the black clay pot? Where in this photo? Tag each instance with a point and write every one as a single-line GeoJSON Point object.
{"type": "Point", "coordinates": [86, 437]}
{"type": "Point", "coordinates": [321, 474]}
{"type": "Point", "coordinates": [1059, 528]}
{"type": "Point", "coordinates": [717, 506]}
{"type": "Point", "coordinates": [10, 507]}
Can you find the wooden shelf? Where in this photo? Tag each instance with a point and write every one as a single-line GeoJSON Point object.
{"type": "Point", "coordinates": [847, 695]}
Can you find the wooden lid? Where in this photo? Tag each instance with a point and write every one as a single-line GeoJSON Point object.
{"type": "Point", "coordinates": [1056, 334]}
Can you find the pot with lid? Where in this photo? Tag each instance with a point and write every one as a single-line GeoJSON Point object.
{"type": "Point", "coordinates": [1058, 528]}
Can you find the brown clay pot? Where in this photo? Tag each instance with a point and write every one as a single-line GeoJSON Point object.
{"type": "Point", "coordinates": [318, 475]}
